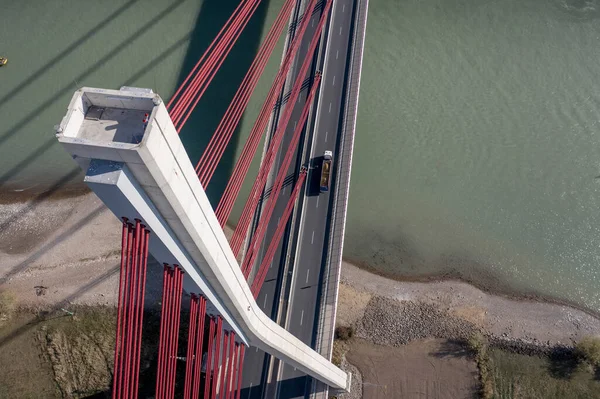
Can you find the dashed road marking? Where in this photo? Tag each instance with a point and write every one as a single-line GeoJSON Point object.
{"type": "Point", "coordinates": [326, 135]}
{"type": "Point", "coordinates": [313, 237]}
{"type": "Point", "coordinates": [307, 273]}
{"type": "Point", "coordinates": [333, 84]}
{"type": "Point", "coordinates": [329, 107]}
{"type": "Point", "coordinates": [302, 317]}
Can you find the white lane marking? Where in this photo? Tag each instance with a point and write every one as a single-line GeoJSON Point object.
{"type": "Point", "coordinates": [333, 84]}
{"type": "Point", "coordinates": [318, 197]}
{"type": "Point", "coordinates": [256, 351]}
{"type": "Point", "coordinates": [302, 317]}
{"type": "Point", "coordinates": [337, 54]}
{"type": "Point", "coordinates": [278, 219]}
{"type": "Point", "coordinates": [265, 304]}
{"type": "Point", "coordinates": [340, 30]}
{"type": "Point", "coordinates": [307, 273]}
{"type": "Point", "coordinates": [329, 107]}
{"type": "Point", "coordinates": [343, 8]}
{"type": "Point", "coordinates": [313, 22]}
{"type": "Point", "coordinates": [271, 265]}
{"type": "Point", "coordinates": [313, 237]}
{"type": "Point", "coordinates": [295, 122]}
{"type": "Point", "coordinates": [326, 142]}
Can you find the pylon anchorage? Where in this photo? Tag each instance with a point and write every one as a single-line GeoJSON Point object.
{"type": "Point", "coordinates": [136, 164]}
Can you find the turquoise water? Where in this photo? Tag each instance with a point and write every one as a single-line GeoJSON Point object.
{"type": "Point", "coordinates": [477, 146]}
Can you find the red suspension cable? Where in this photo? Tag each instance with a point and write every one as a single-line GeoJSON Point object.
{"type": "Point", "coordinates": [199, 343]}
{"type": "Point", "coordinates": [217, 357]}
{"type": "Point", "coordinates": [214, 151]}
{"type": "Point", "coordinates": [231, 366]}
{"type": "Point", "coordinates": [268, 258]}
{"type": "Point", "coordinates": [118, 344]}
{"type": "Point", "coordinates": [224, 362]}
{"type": "Point", "coordinates": [209, 360]}
{"type": "Point", "coordinates": [191, 347]}
{"type": "Point", "coordinates": [226, 203]}
{"type": "Point", "coordinates": [206, 53]}
{"type": "Point", "coordinates": [160, 377]}
{"type": "Point", "coordinates": [140, 308]}
{"type": "Point", "coordinates": [258, 235]}
{"type": "Point", "coordinates": [240, 370]}
{"type": "Point", "coordinates": [236, 19]}
{"type": "Point", "coordinates": [168, 344]}
{"type": "Point", "coordinates": [132, 283]}
{"type": "Point", "coordinates": [241, 168]}
{"type": "Point", "coordinates": [209, 70]}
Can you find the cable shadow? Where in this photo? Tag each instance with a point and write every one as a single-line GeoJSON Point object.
{"type": "Point", "coordinates": [59, 56]}
{"type": "Point", "coordinates": [48, 143]}
{"type": "Point", "coordinates": [39, 198]}
{"type": "Point", "coordinates": [97, 65]}
{"type": "Point", "coordinates": [61, 304]}
{"type": "Point", "coordinates": [289, 180]}
{"type": "Point", "coordinates": [37, 254]}
{"type": "Point", "coordinates": [210, 109]}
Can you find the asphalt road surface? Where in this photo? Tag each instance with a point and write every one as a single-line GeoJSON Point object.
{"type": "Point", "coordinates": [256, 361]}
{"type": "Point", "coordinates": [303, 304]}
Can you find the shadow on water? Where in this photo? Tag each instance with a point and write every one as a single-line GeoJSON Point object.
{"type": "Point", "coordinates": [17, 127]}
{"type": "Point", "coordinates": [211, 108]}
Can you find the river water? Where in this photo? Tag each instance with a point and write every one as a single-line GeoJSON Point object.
{"type": "Point", "coordinates": [477, 145]}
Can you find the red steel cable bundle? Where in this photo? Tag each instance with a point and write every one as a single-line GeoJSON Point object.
{"type": "Point", "coordinates": [220, 139]}
{"type": "Point", "coordinates": [264, 266]}
{"type": "Point", "coordinates": [130, 311]}
{"type": "Point", "coordinates": [209, 359]}
{"type": "Point", "coordinates": [243, 163]}
{"type": "Point", "coordinates": [277, 186]}
{"type": "Point", "coordinates": [194, 349]}
{"type": "Point", "coordinates": [184, 101]}
{"type": "Point", "coordinates": [225, 205]}
{"type": "Point", "coordinates": [217, 357]}
{"type": "Point", "coordinates": [169, 332]}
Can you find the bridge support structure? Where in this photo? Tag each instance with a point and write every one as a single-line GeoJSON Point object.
{"type": "Point", "coordinates": [136, 164]}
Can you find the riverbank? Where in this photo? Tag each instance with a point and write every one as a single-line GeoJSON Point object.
{"type": "Point", "coordinates": [401, 327]}
{"type": "Point", "coordinates": [537, 322]}
{"type": "Point", "coordinates": [63, 251]}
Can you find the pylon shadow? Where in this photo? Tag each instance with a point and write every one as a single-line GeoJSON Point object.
{"type": "Point", "coordinates": [210, 109]}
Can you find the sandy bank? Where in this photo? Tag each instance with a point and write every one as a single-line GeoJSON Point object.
{"type": "Point", "coordinates": [529, 321]}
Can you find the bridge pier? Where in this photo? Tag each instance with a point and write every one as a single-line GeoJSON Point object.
{"type": "Point", "coordinates": [136, 164]}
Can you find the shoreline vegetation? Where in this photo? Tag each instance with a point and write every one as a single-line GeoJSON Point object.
{"type": "Point", "coordinates": [409, 318]}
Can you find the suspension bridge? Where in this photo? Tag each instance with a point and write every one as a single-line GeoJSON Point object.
{"type": "Point", "coordinates": [261, 303]}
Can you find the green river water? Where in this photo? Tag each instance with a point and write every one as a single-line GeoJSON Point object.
{"type": "Point", "coordinates": [477, 146]}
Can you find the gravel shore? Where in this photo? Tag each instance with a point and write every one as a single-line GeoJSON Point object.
{"type": "Point", "coordinates": [394, 312]}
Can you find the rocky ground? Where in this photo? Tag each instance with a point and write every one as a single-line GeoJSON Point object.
{"type": "Point", "coordinates": [446, 308]}
{"type": "Point", "coordinates": [408, 315]}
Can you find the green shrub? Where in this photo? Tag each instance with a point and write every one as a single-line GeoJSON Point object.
{"type": "Point", "coordinates": [589, 349]}
{"type": "Point", "coordinates": [477, 342]}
